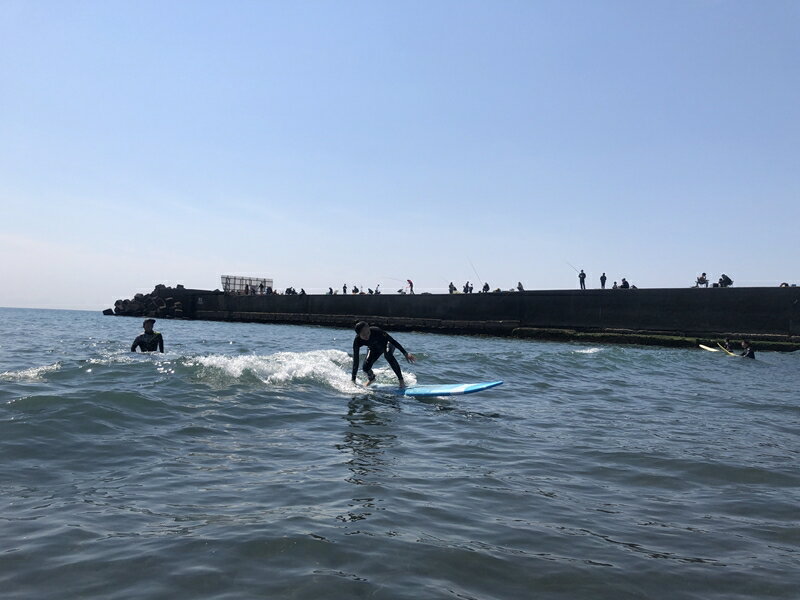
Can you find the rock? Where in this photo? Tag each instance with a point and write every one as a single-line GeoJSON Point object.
{"type": "Point", "coordinates": [108, 311]}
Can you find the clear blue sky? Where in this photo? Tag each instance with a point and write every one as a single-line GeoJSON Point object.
{"type": "Point", "coordinates": [325, 142]}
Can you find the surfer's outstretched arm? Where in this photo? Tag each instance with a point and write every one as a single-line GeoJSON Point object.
{"type": "Point", "coordinates": [409, 357]}
{"type": "Point", "coordinates": [355, 360]}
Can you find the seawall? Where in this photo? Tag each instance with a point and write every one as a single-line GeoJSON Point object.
{"type": "Point", "coordinates": [766, 314]}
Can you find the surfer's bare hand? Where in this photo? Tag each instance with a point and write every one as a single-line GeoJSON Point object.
{"type": "Point", "coordinates": [411, 358]}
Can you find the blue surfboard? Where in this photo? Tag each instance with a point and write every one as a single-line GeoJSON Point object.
{"type": "Point", "coordinates": [445, 389]}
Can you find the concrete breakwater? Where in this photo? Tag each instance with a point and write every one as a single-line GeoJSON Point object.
{"type": "Point", "coordinates": [671, 317]}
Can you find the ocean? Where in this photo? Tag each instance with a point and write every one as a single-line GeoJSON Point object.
{"type": "Point", "coordinates": [242, 463]}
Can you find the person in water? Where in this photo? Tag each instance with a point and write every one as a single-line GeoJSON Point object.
{"type": "Point", "coordinates": [747, 349]}
{"type": "Point", "coordinates": [378, 343]}
{"type": "Point", "coordinates": [150, 340]}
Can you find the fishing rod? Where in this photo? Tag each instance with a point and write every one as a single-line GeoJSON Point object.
{"type": "Point", "coordinates": [475, 271]}
{"type": "Point", "coordinates": [571, 265]}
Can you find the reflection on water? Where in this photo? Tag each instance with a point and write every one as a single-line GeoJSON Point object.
{"type": "Point", "coordinates": [365, 442]}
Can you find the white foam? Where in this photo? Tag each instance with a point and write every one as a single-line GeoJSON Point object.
{"type": "Point", "coordinates": [329, 367]}
{"type": "Point", "coordinates": [31, 374]}
{"type": "Point", "coordinates": [588, 351]}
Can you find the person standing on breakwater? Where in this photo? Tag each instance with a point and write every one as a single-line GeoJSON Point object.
{"type": "Point", "coordinates": [150, 340]}
{"type": "Point", "coordinates": [582, 279]}
{"type": "Point", "coordinates": [603, 281]}
{"type": "Point", "coordinates": [747, 349]}
{"type": "Point", "coordinates": [378, 343]}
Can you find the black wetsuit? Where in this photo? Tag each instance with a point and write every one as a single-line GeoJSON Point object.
{"type": "Point", "coordinates": [748, 352]}
{"type": "Point", "coordinates": [149, 342]}
{"type": "Point", "coordinates": [379, 343]}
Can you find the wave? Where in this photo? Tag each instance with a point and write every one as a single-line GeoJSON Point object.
{"type": "Point", "coordinates": [330, 368]}
{"type": "Point", "coordinates": [30, 374]}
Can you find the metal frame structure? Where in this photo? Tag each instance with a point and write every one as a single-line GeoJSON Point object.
{"type": "Point", "coordinates": [236, 284]}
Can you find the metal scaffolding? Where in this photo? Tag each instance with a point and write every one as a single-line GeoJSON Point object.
{"type": "Point", "coordinates": [236, 284]}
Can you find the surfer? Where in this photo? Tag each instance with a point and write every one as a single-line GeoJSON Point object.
{"type": "Point", "coordinates": [378, 343]}
{"type": "Point", "coordinates": [747, 349]}
{"type": "Point", "coordinates": [150, 340]}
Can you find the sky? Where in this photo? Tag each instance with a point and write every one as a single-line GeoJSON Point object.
{"type": "Point", "coordinates": [319, 143]}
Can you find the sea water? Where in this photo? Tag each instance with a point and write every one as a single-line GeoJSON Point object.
{"type": "Point", "coordinates": [243, 463]}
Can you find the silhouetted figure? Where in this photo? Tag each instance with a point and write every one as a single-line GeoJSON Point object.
{"type": "Point", "coordinates": [624, 285]}
{"type": "Point", "coordinates": [603, 281]}
{"type": "Point", "coordinates": [582, 279]}
{"type": "Point", "coordinates": [378, 343]}
{"type": "Point", "coordinates": [344, 288]}
{"type": "Point", "coordinates": [519, 287]}
{"type": "Point", "coordinates": [150, 340]}
{"type": "Point", "coordinates": [701, 280]}
{"type": "Point", "coordinates": [485, 288]}
{"type": "Point", "coordinates": [725, 281]}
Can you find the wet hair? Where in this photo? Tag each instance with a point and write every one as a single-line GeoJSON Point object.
{"type": "Point", "coordinates": [360, 325]}
{"type": "Point", "coordinates": [146, 321]}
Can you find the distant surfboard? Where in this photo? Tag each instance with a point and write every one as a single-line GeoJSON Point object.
{"type": "Point", "coordinates": [725, 350]}
{"type": "Point", "coordinates": [709, 349]}
{"type": "Point", "coordinates": [446, 389]}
